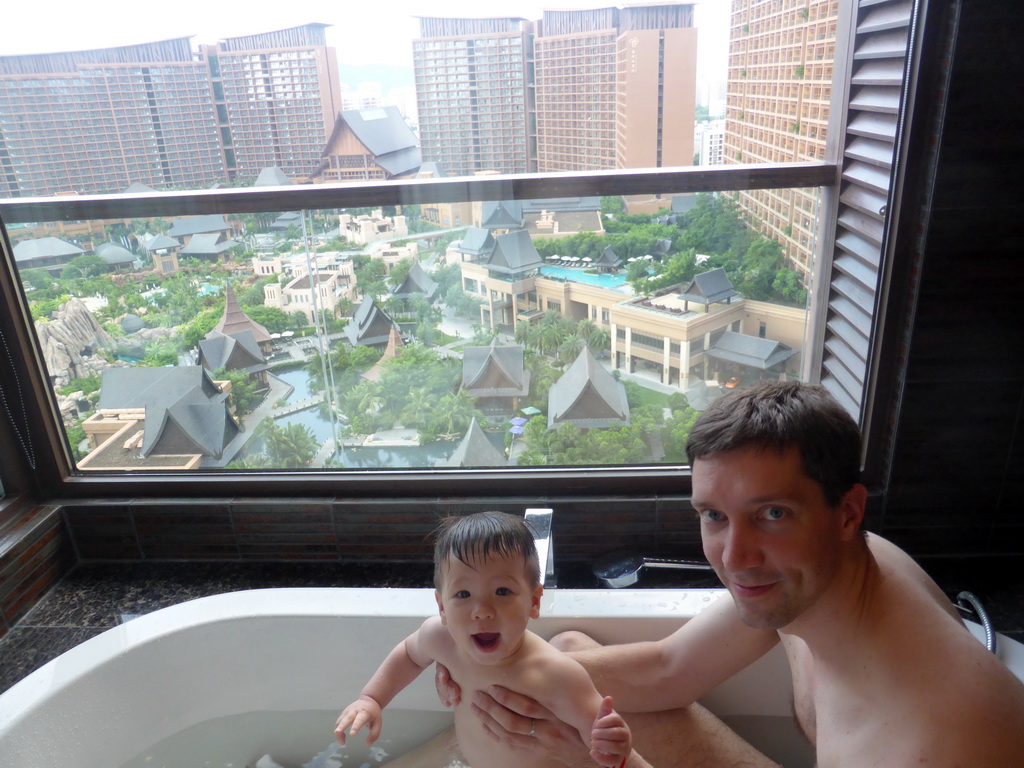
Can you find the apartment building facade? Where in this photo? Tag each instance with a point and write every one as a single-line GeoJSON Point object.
{"type": "Point", "coordinates": [160, 114]}
{"type": "Point", "coordinates": [777, 108]}
{"type": "Point", "coordinates": [472, 92]}
{"type": "Point", "coordinates": [578, 90]}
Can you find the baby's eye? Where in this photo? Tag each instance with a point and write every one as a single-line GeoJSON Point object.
{"type": "Point", "coordinates": [462, 593]}
{"type": "Point", "coordinates": [774, 513]}
{"type": "Point", "coordinates": [503, 591]}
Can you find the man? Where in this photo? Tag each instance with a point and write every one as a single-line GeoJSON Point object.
{"type": "Point", "coordinates": [884, 672]}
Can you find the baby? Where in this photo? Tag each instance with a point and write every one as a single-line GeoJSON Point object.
{"type": "Point", "coordinates": [487, 588]}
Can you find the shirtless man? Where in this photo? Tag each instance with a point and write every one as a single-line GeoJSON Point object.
{"type": "Point", "coordinates": [884, 672]}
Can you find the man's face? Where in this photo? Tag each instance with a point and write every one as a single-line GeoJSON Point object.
{"type": "Point", "coordinates": [768, 532]}
{"type": "Point", "coordinates": [486, 605]}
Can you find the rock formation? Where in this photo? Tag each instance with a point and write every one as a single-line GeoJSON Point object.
{"type": "Point", "coordinates": [73, 344]}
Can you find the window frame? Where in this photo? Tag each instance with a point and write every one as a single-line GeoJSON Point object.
{"type": "Point", "coordinates": [52, 475]}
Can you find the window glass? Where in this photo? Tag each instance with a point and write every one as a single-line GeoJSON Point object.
{"type": "Point", "coordinates": [564, 331]}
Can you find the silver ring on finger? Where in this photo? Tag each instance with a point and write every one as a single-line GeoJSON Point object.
{"type": "Point", "coordinates": [533, 728]}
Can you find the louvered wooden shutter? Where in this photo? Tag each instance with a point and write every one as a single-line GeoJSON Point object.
{"type": "Point", "coordinates": [879, 56]}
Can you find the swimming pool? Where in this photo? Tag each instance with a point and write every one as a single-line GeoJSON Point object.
{"type": "Point", "coordinates": [614, 282]}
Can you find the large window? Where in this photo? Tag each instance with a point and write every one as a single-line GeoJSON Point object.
{"type": "Point", "coordinates": [564, 320]}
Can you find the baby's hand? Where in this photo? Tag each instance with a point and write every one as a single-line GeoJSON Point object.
{"type": "Point", "coordinates": [610, 740]}
{"type": "Point", "coordinates": [362, 711]}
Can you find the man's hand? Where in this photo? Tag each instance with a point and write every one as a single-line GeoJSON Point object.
{"type": "Point", "coordinates": [521, 723]}
{"type": "Point", "coordinates": [448, 691]}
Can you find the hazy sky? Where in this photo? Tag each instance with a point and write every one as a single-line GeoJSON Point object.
{"type": "Point", "coordinates": [363, 32]}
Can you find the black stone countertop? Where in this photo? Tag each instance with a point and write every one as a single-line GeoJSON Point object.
{"type": "Point", "coordinates": [95, 597]}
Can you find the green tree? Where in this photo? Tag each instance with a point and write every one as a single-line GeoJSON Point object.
{"type": "Point", "coordinates": [86, 265]}
{"type": "Point", "coordinates": [290, 447]}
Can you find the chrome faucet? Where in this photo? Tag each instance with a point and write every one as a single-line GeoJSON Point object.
{"type": "Point", "coordinates": [539, 521]}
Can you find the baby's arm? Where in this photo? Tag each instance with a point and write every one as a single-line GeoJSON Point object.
{"type": "Point", "coordinates": [401, 667]}
{"type": "Point", "coordinates": [571, 696]}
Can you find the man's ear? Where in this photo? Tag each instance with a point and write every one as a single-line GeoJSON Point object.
{"type": "Point", "coordinates": [852, 508]}
{"type": "Point", "coordinates": [440, 608]}
{"type": "Point", "coordinates": [535, 601]}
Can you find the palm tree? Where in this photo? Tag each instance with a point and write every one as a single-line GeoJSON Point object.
{"type": "Point", "coordinates": [570, 348]}
{"type": "Point", "coordinates": [291, 447]}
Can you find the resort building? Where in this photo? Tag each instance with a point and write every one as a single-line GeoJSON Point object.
{"type": "Point", "coordinates": [365, 229]}
{"type": "Point", "coordinates": [159, 418]}
{"type": "Point", "coordinates": [370, 326]}
{"type": "Point", "coordinates": [162, 116]}
{"type": "Point", "coordinates": [777, 109]}
{"type": "Point", "coordinates": [496, 376]}
{"type": "Point", "coordinates": [588, 89]}
{"type": "Point", "coordinates": [587, 396]}
{"type": "Point", "coordinates": [474, 450]}
{"type": "Point", "coordinates": [367, 145]}
{"type": "Point", "coordinates": [472, 94]}
{"type": "Point", "coordinates": [615, 87]}
{"type": "Point", "coordinates": [49, 253]}
{"type": "Point", "coordinates": [672, 336]}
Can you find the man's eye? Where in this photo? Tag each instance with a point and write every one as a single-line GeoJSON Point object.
{"type": "Point", "coordinates": [774, 513]}
{"type": "Point", "coordinates": [711, 516]}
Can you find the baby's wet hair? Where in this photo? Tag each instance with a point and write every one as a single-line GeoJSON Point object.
{"type": "Point", "coordinates": [483, 535]}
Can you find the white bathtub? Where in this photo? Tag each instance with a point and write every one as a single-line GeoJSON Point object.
{"type": "Point", "coordinates": [295, 650]}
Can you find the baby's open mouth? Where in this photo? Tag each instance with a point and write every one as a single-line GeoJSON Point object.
{"type": "Point", "coordinates": [486, 641]}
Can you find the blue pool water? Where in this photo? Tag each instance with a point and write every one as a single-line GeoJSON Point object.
{"type": "Point", "coordinates": [614, 282]}
{"type": "Point", "coordinates": [299, 379]}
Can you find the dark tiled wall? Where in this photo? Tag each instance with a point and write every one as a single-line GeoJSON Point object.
{"type": "Point", "coordinates": [957, 472]}
{"type": "Point", "coordinates": [35, 553]}
{"type": "Point", "coordinates": [360, 530]}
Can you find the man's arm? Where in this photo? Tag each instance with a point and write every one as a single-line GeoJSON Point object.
{"type": "Point", "coordinates": [676, 671]}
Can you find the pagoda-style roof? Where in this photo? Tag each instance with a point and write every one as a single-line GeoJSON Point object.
{"type": "Point", "coordinates": [185, 412]}
{"type": "Point", "coordinates": [115, 255]}
{"type": "Point", "coordinates": [272, 177]}
{"type": "Point", "coordinates": [392, 351]}
{"type": "Point", "coordinates": [193, 225]}
{"type": "Point", "coordinates": [514, 254]}
{"type": "Point", "coordinates": [501, 214]}
{"type": "Point", "coordinates": [45, 247]}
{"type": "Point", "coordinates": [235, 321]}
{"type": "Point", "coordinates": [751, 351]}
{"type": "Point", "coordinates": [240, 352]}
{"type": "Point", "coordinates": [161, 243]}
{"type": "Point", "coordinates": [709, 288]}
{"type": "Point", "coordinates": [207, 244]}
{"type": "Point", "coordinates": [587, 396]}
{"type": "Point", "coordinates": [416, 283]}
{"type": "Point", "coordinates": [608, 259]}
{"type": "Point", "coordinates": [495, 371]}
{"type": "Point", "coordinates": [476, 242]}
{"type": "Point", "coordinates": [475, 450]}
{"type": "Point", "coordinates": [371, 326]}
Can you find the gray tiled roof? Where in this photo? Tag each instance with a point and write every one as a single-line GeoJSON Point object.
{"type": "Point", "coordinates": [501, 214]}
{"type": "Point", "coordinates": [416, 283]}
{"type": "Point", "coordinates": [588, 396]}
{"type": "Point", "coordinates": [115, 254]}
{"type": "Point", "coordinates": [709, 288]}
{"type": "Point", "coordinates": [474, 450]}
{"type": "Point", "coordinates": [192, 225]}
{"type": "Point", "coordinates": [495, 371]}
{"type": "Point", "coordinates": [185, 412]}
{"type": "Point", "coordinates": [514, 253]}
{"type": "Point", "coordinates": [608, 258]}
{"type": "Point", "coordinates": [384, 132]}
{"type": "Point", "coordinates": [751, 351]}
{"type": "Point", "coordinates": [272, 177]}
{"type": "Point", "coordinates": [370, 325]}
{"type": "Point", "coordinates": [161, 242]}
{"type": "Point", "coordinates": [477, 242]}
{"type": "Point", "coordinates": [207, 244]}
{"type": "Point", "coordinates": [239, 352]}
{"type": "Point", "coordinates": [44, 247]}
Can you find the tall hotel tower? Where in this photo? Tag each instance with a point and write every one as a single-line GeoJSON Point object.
{"type": "Point", "coordinates": [160, 115]}
{"type": "Point", "coordinates": [471, 94]}
{"type": "Point", "coordinates": [580, 90]}
{"type": "Point", "coordinates": [777, 105]}
{"type": "Point", "coordinates": [615, 88]}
